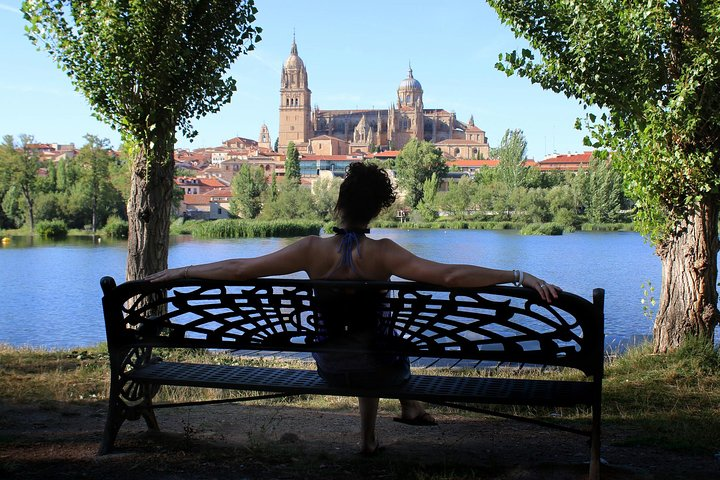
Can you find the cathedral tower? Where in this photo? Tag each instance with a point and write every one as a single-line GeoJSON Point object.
{"type": "Point", "coordinates": [295, 124]}
{"type": "Point", "coordinates": [408, 118]}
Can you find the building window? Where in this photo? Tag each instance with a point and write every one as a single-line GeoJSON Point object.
{"type": "Point", "coordinates": [457, 151]}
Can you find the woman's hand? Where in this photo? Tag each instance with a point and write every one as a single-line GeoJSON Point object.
{"type": "Point", "coordinates": [547, 291]}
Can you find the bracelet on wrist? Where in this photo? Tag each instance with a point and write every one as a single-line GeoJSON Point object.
{"type": "Point", "coordinates": [518, 276]}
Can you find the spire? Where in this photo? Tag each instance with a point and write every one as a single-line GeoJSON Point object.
{"type": "Point", "coordinates": [409, 70]}
{"type": "Point", "coordinates": [293, 49]}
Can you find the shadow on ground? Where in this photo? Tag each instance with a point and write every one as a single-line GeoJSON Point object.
{"type": "Point", "coordinates": [265, 442]}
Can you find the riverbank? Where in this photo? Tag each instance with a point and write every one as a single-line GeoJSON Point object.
{"type": "Point", "coordinates": [661, 418]}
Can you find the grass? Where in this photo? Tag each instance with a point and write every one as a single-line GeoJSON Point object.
{"type": "Point", "coordinates": [669, 401]}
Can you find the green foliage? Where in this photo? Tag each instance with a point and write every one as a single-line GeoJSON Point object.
{"type": "Point", "coordinates": [292, 202]}
{"type": "Point", "coordinates": [51, 229]}
{"type": "Point", "coordinates": [530, 205]}
{"type": "Point", "coordinates": [292, 165]}
{"type": "Point", "coordinates": [325, 192]}
{"type": "Point", "coordinates": [448, 224]}
{"type": "Point", "coordinates": [23, 165]}
{"type": "Point", "coordinates": [459, 199]}
{"type": "Point", "coordinates": [234, 228]}
{"type": "Point", "coordinates": [49, 206]}
{"type": "Point", "coordinates": [652, 72]}
{"type": "Point", "coordinates": [563, 205]}
{"type": "Point", "coordinates": [600, 191]}
{"type": "Point", "coordinates": [12, 213]}
{"type": "Point", "coordinates": [542, 229]}
{"type": "Point", "coordinates": [426, 207]}
{"type": "Point", "coordinates": [415, 163]}
{"type": "Point", "coordinates": [147, 66]}
{"type": "Point", "coordinates": [247, 185]}
{"type": "Point", "coordinates": [94, 160]}
{"type": "Point", "coordinates": [608, 227]}
{"type": "Point", "coordinates": [116, 227]}
{"type": "Point", "coordinates": [183, 226]}
{"type": "Point", "coordinates": [512, 154]}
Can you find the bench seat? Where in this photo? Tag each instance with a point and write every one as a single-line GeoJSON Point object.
{"type": "Point", "coordinates": [428, 388]}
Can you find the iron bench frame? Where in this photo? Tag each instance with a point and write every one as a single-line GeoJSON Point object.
{"type": "Point", "coordinates": [441, 326]}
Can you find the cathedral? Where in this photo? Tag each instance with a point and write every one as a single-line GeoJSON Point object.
{"type": "Point", "coordinates": [350, 132]}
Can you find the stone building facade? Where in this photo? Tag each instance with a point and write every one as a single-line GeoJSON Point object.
{"type": "Point", "coordinates": [350, 132]}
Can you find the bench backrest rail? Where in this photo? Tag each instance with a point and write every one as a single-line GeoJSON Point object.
{"type": "Point", "coordinates": [498, 323]}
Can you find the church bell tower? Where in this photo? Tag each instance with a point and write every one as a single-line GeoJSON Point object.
{"type": "Point", "coordinates": [295, 124]}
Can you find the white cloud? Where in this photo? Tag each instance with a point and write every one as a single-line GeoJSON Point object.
{"type": "Point", "coordinates": [8, 8]}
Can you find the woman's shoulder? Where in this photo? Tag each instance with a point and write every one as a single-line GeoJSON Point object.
{"type": "Point", "coordinates": [385, 242]}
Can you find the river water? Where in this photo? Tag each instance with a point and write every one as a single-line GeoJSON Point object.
{"type": "Point", "coordinates": [50, 292]}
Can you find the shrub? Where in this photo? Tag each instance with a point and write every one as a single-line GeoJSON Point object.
{"type": "Point", "coordinates": [51, 229]}
{"type": "Point", "coordinates": [234, 228]}
{"type": "Point", "coordinates": [116, 227]}
{"type": "Point", "coordinates": [181, 226]}
{"type": "Point", "coordinates": [607, 227]}
{"type": "Point", "coordinates": [542, 229]}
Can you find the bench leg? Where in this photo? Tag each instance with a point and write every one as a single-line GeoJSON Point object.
{"type": "Point", "coordinates": [115, 419]}
{"type": "Point", "coordinates": [595, 444]}
{"type": "Point", "coordinates": [121, 408]}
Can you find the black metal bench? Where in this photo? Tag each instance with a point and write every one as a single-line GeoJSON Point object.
{"type": "Point", "coordinates": [471, 328]}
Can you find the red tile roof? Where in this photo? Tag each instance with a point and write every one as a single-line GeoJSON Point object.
{"type": "Point", "coordinates": [387, 154]}
{"type": "Point", "coordinates": [569, 158]}
{"type": "Point", "coordinates": [473, 163]}
{"type": "Point", "coordinates": [571, 161]}
{"type": "Point", "coordinates": [314, 158]}
{"type": "Point", "coordinates": [200, 182]}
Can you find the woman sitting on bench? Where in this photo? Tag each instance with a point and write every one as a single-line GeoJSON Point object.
{"type": "Point", "coordinates": [351, 255]}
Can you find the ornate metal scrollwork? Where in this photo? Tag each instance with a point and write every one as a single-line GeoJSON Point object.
{"type": "Point", "coordinates": [134, 394]}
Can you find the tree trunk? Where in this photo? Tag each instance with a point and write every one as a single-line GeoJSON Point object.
{"type": "Point", "coordinates": [149, 213]}
{"type": "Point", "coordinates": [688, 294]}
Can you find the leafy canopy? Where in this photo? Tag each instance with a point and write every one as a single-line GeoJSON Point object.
{"type": "Point", "coordinates": [292, 165]}
{"type": "Point", "coordinates": [146, 66]}
{"type": "Point", "coordinates": [654, 66]}
{"type": "Point", "coordinates": [415, 163]}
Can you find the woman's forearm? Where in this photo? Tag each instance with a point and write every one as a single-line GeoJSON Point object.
{"type": "Point", "coordinates": [222, 270]}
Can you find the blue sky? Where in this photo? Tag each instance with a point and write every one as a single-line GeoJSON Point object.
{"type": "Point", "coordinates": [356, 54]}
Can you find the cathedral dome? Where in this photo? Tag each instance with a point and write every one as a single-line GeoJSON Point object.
{"type": "Point", "coordinates": [410, 83]}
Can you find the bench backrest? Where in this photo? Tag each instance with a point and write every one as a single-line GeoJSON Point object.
{"type": "Point", "coordinates": [498, 323]}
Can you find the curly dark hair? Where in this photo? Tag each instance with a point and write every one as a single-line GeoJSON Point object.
{"type": "Point", "coordinates": [364, 193]}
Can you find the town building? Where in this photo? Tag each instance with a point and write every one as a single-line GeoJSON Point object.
{"type": "Point", "coordinates": [566, 162]}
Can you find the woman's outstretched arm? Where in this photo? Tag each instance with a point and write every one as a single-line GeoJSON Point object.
{"type": "Point", "coordinates": [405, 264]}
{"type": "Point", "coordinates": [291, 259]}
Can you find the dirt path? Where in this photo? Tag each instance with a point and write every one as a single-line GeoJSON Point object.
{"type": "Point", "coordinates": [264, 442]}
